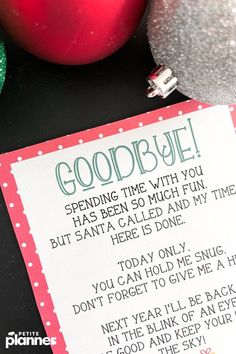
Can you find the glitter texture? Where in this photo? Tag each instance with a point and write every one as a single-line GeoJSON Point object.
{"type": "Point", "coordinates": [197, 41]}
{"type": "Point", "coordinates": [2, 64]}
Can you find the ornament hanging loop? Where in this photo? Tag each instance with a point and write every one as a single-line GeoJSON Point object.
{"type": "Point", "coordinates": [161, 82]}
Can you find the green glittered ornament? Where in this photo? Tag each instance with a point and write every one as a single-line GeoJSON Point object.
{"type": "Point", "coordinates": [2, 64]}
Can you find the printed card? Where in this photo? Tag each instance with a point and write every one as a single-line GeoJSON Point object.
{"type": "Point", "coordinates": [128, 233]}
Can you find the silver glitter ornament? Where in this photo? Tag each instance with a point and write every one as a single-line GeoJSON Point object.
{"type": "Point", "coordinates": [196, 41]}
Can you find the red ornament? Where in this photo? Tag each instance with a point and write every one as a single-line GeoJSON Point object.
{"type": "Point", "coordinates": [71, 31]}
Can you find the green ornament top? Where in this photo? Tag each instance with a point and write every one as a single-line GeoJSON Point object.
{"type": "Point", "coordinates": [3, 61]}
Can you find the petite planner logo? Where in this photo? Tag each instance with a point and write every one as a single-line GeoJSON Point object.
{"type": "Point", "coordinates": [27, 339]}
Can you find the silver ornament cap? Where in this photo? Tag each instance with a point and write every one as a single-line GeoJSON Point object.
{"type": "Point", "coordinates": [161, 82]}
{"type": "Point", "coordinates": [196, 40]}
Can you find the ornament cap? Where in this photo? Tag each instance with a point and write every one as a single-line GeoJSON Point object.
{"type": "Point", "coordinates": [161, 82]}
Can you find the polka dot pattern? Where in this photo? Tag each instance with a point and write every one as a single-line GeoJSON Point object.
{"type": "Point", "coordinates": [19, 218]}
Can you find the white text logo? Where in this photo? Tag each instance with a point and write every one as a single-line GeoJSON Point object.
{"type": "Point", "coordinates": [28, 338]}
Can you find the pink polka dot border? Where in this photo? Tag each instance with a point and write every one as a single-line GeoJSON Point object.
{"type": "Point", "coordinates": [19, 216]}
